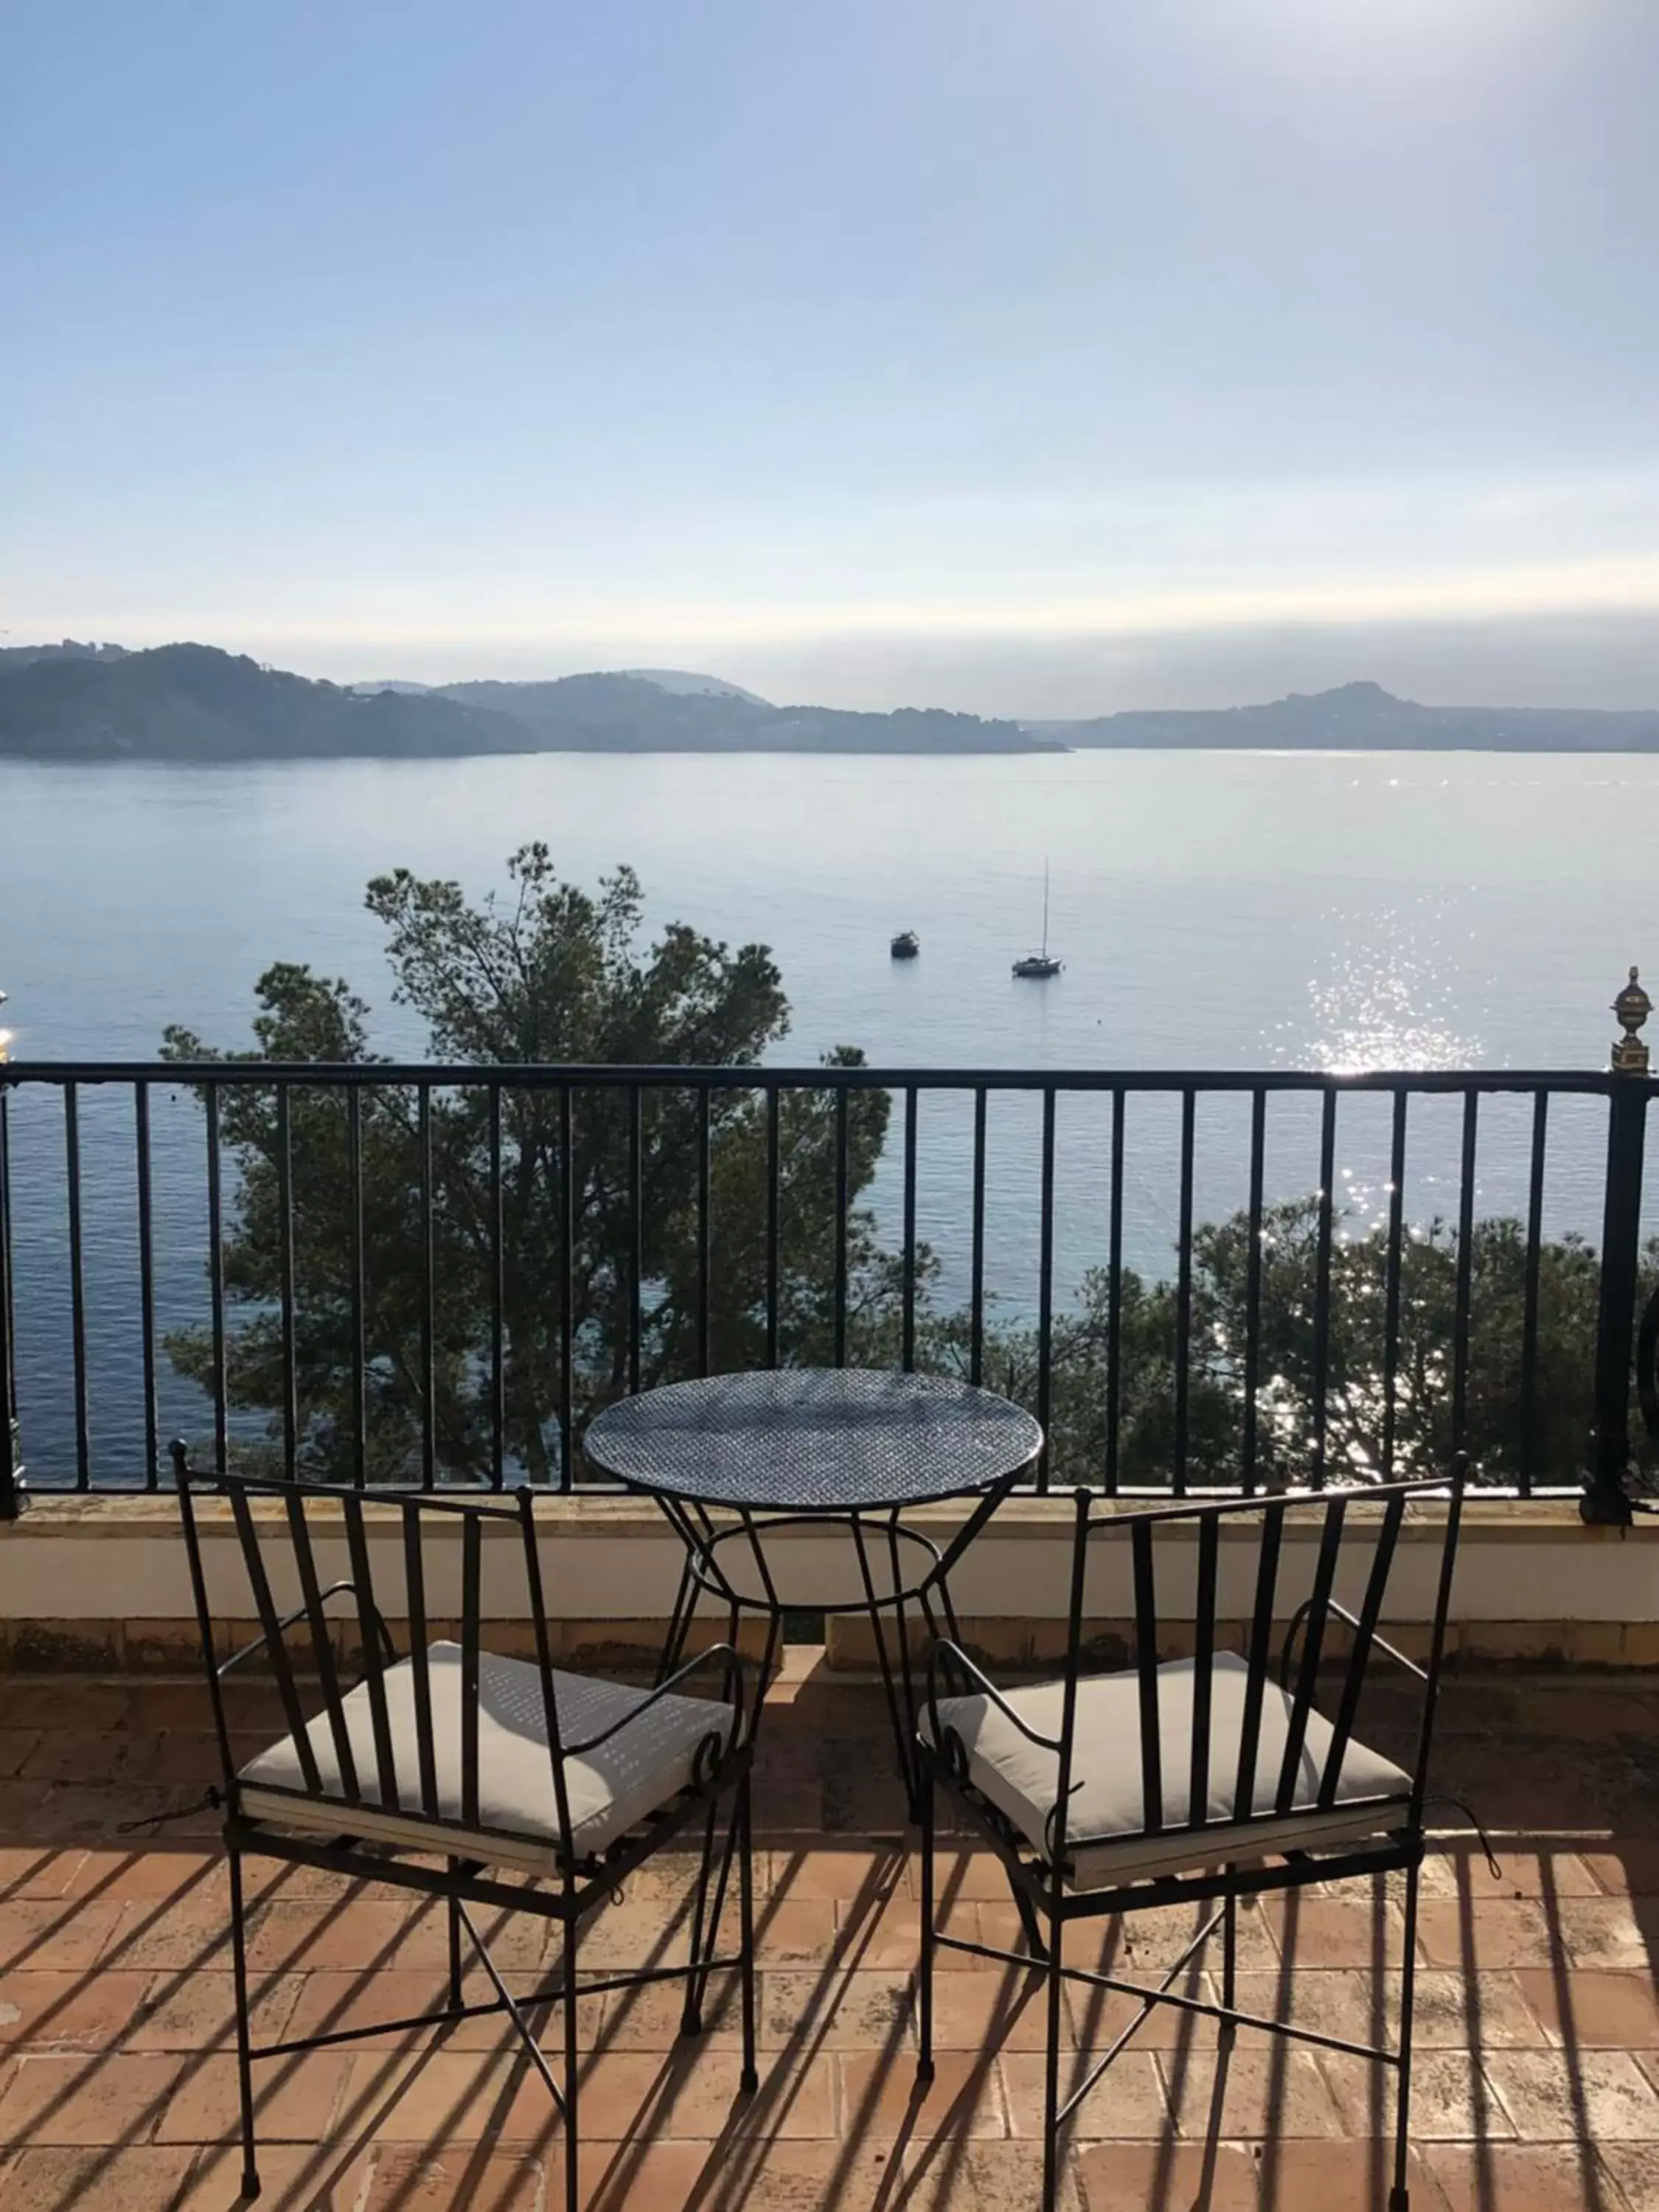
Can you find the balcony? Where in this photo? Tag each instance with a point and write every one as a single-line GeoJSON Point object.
{"type": "Point", "coordinates": [1358, 1277]}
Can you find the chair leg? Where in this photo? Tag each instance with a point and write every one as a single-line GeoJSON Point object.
{"type": "Point", "coordinates": [1228, 1958]}
{"type": "Point", "coordinates": [925, 1977]}
{"type": "Point", "coordinates": [244, 2028]}
{"type": "Point", "coordinates": [1399, 2195]}
{"type": "Point", "coordinates": [1032, 1927]}
{"type": "Point", "coordinates": [692, 2017]}
{"type": "Point", "coordinates": [454, 1938]}
{"type": "Point", "coordinates": [1051, 2076]}
{"type": "Point", "coordinates": [750, 2082]}
{"type": "Point", "coordinates": [572, 2148]}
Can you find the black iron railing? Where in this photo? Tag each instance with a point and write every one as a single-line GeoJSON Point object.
{"type": "Point", "coordinates": [384, 1271]}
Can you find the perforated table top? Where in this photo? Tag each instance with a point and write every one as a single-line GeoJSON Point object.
{"type": "Point", "coordinates": [814, 1440]}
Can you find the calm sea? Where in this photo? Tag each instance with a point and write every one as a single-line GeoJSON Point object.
{"type": "Point", "coordinates": [1213, 911]}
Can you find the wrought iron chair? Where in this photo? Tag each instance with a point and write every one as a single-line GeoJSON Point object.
{"type": "Point", "coordinates": [1181, 1780]}
{"type": "Point", "coordinates": [447, 1768]}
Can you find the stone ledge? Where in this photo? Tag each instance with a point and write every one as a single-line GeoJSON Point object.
{"type": "Point", "coordinates": [102, 1582]}
{"type": "Point", "coordinates": [611, 1515]}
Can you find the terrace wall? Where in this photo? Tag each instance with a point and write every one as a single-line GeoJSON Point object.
{"type": "Point", "coordinates": [102, 1582]}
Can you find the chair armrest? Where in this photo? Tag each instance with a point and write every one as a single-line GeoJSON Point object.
{"type": "Point", "coordinates": [941, 1647]}
{"type": "Point", "coordinates": [729, 1653]}
{"type": "Point", "coordinates": [1379, 1642]}
{"type": "Point", "coordinates": [300, 1612]}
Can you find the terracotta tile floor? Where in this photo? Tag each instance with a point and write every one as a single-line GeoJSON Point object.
{"type": "Point", "coordinates": [1537, 2085]}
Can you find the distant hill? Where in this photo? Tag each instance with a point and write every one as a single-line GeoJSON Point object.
{"type": "Point", "coordinates": [194, 702]}
{"type": "Point", "coordinates": [1358, 716]}
{"type": "Point", "coordinates": [636, 714]}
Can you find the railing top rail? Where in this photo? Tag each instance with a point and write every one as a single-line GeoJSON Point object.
{"type": "Point", "coordinates": [554, 1075]}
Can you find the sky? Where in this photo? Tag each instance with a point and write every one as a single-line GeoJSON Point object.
{"type": "Point", "coordinates": [1027, 356]}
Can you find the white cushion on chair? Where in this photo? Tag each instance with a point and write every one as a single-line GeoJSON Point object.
{"type": "Point", "coordinates": [1107, 1808]}
{"type": "Point", "coordinates": [608, 1788]}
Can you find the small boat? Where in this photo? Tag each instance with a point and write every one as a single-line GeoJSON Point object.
{"type": "Point", "coordinates": [1039, 964]}
{"type": "Point", "coordinates": [905, 945]}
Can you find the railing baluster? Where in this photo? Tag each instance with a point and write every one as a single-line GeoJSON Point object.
{"type": "Point", "coordinates": [1045, 1289]}
{"type": "Point", "coordinates": [567, 1301]}
{"type": "Point", "coordinates": [359, 1290]}
{"type": "Point", "coordinates": [1115, 1291]}
{"type": "Point", "coordinates": [773, 1201]}
{"type": "Point", "coordinates": [1528, 1457]}
{"type": "Point", "coordinates": [705, 1228]}
{"type": "Point", "coordinates": [1606, 1499]}
{"type": "Point", "coordinates": [78, 1285]}
{"type": "Point", "coordinates": [1321, 1316]}
{"type": "Point", "coordinates": [1184, 1293]}
{"type": "Point", "coordinates": [497, 1297]}
{"type": "Point", "coordinates": [285, 1262]}
{"type": "Point", "coordinates": [429, 1293]}
{"type": "Point", "coordinates": [909, 1350]}
{"type": "Point", "coordinates": [1253, 1287]}
{"type": "Point", "coordinates": [1392, 1284]}
{"type": "Point", "coordinates": [1465, 1274]}
{"type": "Point", "coordinates": [976, 1280]}
{"type": "Point", "coordinates": [841, 1096]}
{"type": "Point", "coordinates": [635, 1231]}
{"type": "Point", "coordinates": [146, 1283]}
{"type": "Point", "coordinates": [217, 1283]}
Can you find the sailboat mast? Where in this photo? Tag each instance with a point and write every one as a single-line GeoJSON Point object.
{"type": "Point", "coordinates": [1045, 909]}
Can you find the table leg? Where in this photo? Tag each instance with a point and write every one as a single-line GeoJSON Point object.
{"type": "Point", "coordinates": [899, 1687]}
{"type": "Point", "coordinates": [679, 1623]}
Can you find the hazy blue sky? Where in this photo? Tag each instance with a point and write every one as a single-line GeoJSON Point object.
{"type": "Point", "coordinates": [1024, 354]}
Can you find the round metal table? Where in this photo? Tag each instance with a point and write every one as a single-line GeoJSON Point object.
{"type": "Point", "coordinates": [736, 1459]}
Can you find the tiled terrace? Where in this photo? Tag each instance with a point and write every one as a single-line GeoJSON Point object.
{"type": "Point", "coordinates": [1537, 2085]}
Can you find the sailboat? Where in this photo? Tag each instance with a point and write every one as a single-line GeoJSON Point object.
{"type": "Point", "coordinates": [1039, 964]}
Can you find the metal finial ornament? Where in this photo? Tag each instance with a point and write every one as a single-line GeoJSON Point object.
{"type": "Point", "coordinates": [1632, 1007]}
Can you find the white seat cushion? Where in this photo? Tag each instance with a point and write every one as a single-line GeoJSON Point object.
{"type": "Point", "coordinates": [1105, 1820]}
{"type": "Point", "coordinates": [610, 1788]}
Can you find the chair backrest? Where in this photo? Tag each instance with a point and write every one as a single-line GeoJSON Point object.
{"type": "Point", "coordinates": [1312, 1571]}
{"type": "Point", "coordinates": [326, 1571]}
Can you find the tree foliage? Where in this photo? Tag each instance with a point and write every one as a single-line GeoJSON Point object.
{"type": "Point", "coordinates": [593, 1247]}
{"type": "Point", "coordinates": [611, 1237]}
{"type": "Point", "coordinates": [1370, 1428]}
